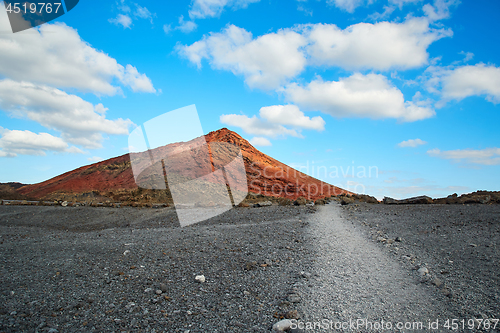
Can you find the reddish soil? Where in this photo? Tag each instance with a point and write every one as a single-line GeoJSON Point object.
{"type": "Point", "coordinates": [265, 175]}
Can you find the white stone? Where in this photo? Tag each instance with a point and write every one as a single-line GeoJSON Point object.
{"type": "Point", "coordinates": [64, 203]}
{"type": "Point", "coordinates": [200, 278]}
{"type": "Point", "coordinates": [282, 325]}
{"type": "Point", "coordinates": [422, 271]}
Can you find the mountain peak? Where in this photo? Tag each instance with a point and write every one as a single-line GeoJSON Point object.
{"type": "Point", "coordinates": [265, 175]}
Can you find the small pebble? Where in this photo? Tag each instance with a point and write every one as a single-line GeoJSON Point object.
{"type": "Point", "coordinates": [282, 325]}
{"type": "Point", "coordinates": [423, 271]}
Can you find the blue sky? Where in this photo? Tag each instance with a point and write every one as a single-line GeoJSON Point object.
{"type": "Point", "coordinates": [403, 92]}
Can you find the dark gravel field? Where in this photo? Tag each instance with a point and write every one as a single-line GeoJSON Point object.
{"type": "Point", "coordinates": [133, 270]}
{"type": "Point", "coordinates": [85, 269]}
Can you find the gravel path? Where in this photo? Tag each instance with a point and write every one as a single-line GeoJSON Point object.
{"type": "Point", "coordinates": [355, 279]}
{"type": "Point", "coordinates": [458, 244]}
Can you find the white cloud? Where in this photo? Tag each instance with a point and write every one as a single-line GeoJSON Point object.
{"type": "Point", "coordinates": [380, 46]}
{"type": "Point", "coordinates": [143, 13]}
{"type": "Point", "coordinates": [488, 156]}
{"type": "Point", "coordinates": [186, 26]}
{"type": "Point", "coordinates": [349, 5]}
{"type": "Point", "coordinates": [467, 55]}
{"type": "Point", "coordinates": [54, 54]}
{"type": "Point", "coordinates": [256, 126]}
{"type": "Point", "coordinates": [79, 121]}
{"type": "Point", "coordinates": [440, 10]}
{"type": "Point", "coordinates": [303, 9]}
{"type": "Point", "coordinates": [388, 10]}
{"type": "Point", "coordinates": [271, 60]}
{"type": "Point", "coordinates": [472, 81]}
{"type": "Point", "coordinates": [266, 62]}
{"type": "Point", "coordinates": [371, 96]}
{"type": "Point", "coordinates": [136, 81]}
{"type": "Point", "coordinates": [272, 120]}
{"type": "Point", "coordinates": [167, 28]}
{"type": "Point", "coordinates": [401, 3]}
{"type": "Point", "coordinates": [291, 115]}
{"type": "Point", "coordinates": [260, 142]}
{"type": "Point", "coordinates": [457, 83]}
{"type": "Point", "coordinates": [13, 143]}
{"type": "Point", "coordinates": [126, 20]}
{"type": "Point", "coordinates": [411, 143]}
{"type": "Point", "coordinates": [211, 8]}
{"type": "Point", "coordinates": [123, 20]}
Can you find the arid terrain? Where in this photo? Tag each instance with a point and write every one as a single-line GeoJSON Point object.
{"type": "Point", "coordinates": [90, 269]}
{"type": "Point", "coordinates": [90, 251]}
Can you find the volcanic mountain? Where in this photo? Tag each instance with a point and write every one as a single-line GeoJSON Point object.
{"type": "Point", "coordinates": [265, 175]}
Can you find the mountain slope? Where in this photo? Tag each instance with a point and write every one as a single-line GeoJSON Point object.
{"type": "Point", "coordinates": [265, 175]}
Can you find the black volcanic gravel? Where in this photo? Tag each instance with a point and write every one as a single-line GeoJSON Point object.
{"type": "Point", "coordinates": [84, 269]}
{"type": "Point", "coordinates": [99, 269]}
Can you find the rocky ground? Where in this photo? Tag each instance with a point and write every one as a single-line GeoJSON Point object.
{"type": "Point", "coordinates": [453, 250]}
{"type": "Point", "coordinates": [89, 269]}
{"type": "Point", "coordinates": [85, 269]}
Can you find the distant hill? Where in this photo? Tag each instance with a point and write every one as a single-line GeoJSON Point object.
{"type": "Point", "coordinates": [9, 191]}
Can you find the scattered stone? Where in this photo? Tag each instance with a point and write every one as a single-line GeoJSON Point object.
{"type": "Point", "coordinates": [447, 292]}
{"type": "Point", "coordinates": [301, 201]}
{"type": "Point", "coordinates": [319, 202]}
{"type": "Point", "coordinates": [398, 239]}
{"type": "Point", "coordinates": [294, 298]}
{"type": "Point", "coordinates": [158, 292]}
{"type": "Point", "coordinates": [148, 290]}
{"type": "Point", "coordinates": [284, 202]}
{"type": "Point", "coordinates": [282, 325]}
{"type": "Point", "coordinates": [163, 287]}
{"type": "Point", "coordinates": [423, 271]}
{"type": "Point", "coordinates": [200, 278]}
{"type": "Point", "coordinates": [473, 245]}
{"type": "Point", "coordinates": [346, 201]}
{"type": "Point", "coordinates": [305, 275]}
{"type": "Point", "coordinates": [284, 304]}
{"type": "Point", "coordinates": [126, 252]}
{"type": "Point", "coordinates": [251, 265]}
{"type": "Point", "coordinates": [246, 293]}
{"type": "Point", "coordinates": [292, 314]}
{"type": "Point", "coordinates": [64, 203]}
{"type": "Point", "coordinates": [263, 204]}
{"type": "Point", "coordinates": [390, 241]}
{"type": "Point", "coordinates": [437, 282]}
{"type": "Point", "coordinates": [413, 201]}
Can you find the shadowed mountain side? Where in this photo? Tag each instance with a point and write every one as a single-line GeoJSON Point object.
{"type": "Point", "coordinates": [265, 175]}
